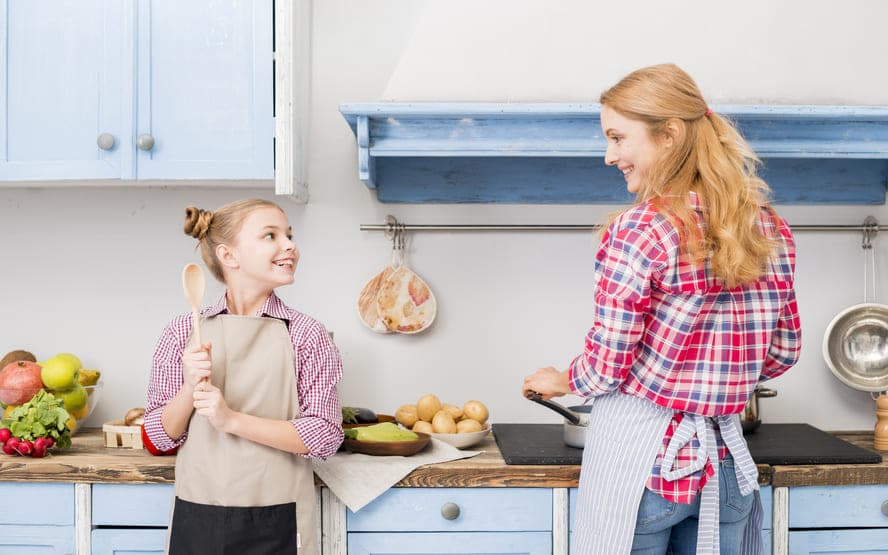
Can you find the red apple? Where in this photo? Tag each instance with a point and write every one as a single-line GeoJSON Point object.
{"type": "Point", "coordinates": [19, 381]}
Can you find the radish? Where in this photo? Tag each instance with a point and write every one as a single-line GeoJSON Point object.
{"type": "Point", "coordinates": [50, 441]}
{"type": "Point", "coordinates": [40, 443]}
{"type": "Point", "coordinates": [11, 445]}
{"type": "Point", "coordinates": [25, 447]}
{"type": "Point", "coordinates": [5, 434]}
{"type": "Point", "coordinates": [38, 452]}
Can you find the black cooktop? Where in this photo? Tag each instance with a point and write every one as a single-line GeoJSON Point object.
{"type": "Point", "coordinates": [775, 444]}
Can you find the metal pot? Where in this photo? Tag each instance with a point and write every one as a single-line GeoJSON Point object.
{"type": "Point", "coordinates": [576, 419]}
{"type": "Point", "coordinates": [750, 418]}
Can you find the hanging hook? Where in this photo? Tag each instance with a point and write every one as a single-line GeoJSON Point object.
{"type": "Point", "coordinates": [395, 231]}
{"type": "Point", "coordinates": [870, 283]}
{"type": "Point", "coordinates": [870, 230]}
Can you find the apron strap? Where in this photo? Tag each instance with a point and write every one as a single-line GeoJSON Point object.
{"type": "Point", "coordinates": [747, 474]}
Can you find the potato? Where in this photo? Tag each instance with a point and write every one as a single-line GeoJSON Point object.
{"type": "Point", "coordinates": [406, 415]}
{"type": "Point", "coordinates": [454, 411]}
{"type": "Point", "coordinates": [423, 426]}
{"type": "Point", "coordinates": [443, 423]}
{"type": "Point", "coordinates": [468, 425]}
{"type": "Point", "coordinates": [427, 406]}
{"type": "Point", "coordinates": [476, 411]}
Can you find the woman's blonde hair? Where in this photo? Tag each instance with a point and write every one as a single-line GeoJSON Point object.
{"type": "Point", "coordinates": [221, 227]}
{"type": "Point", "coordinates": [708, 156]}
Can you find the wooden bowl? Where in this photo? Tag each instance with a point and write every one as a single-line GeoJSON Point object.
{"type": "Point", "coordinates": [383, 448]}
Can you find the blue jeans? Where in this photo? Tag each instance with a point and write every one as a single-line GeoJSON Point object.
{"type": "Point", "coordinates": [664, 527]}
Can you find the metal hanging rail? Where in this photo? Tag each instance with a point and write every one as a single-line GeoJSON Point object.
{"type": "Point", "coordinates": [391, 225]}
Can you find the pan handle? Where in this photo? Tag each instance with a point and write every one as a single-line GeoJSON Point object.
{"type": "Point", "coordinates": [566, 413]}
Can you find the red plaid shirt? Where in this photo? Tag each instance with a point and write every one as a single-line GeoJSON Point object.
{"type": "Point", "coordinates": [317, 365]}
{"type": "Point", "coordinates": [667, 331]}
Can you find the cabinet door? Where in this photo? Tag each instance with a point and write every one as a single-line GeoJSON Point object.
{"type": "Point", "coordinates": [205, 89]}
{"type": "Point", "coordinates": [34, 540]}
{"type": "Point", "coordinates": [858, 541]}
{"type": "Point", "coordinates": [459, 543]}
{"type": "Point", "coordinates": [61, 68]}
{"type": "Point", "coordinates": [123, 541]}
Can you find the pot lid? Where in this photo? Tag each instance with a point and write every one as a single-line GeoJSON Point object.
{"type": "Point", "coordinates": [855, 346]}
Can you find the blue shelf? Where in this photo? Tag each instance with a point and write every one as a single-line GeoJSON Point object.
{"type": "Point", "coordinates": [553, 153]}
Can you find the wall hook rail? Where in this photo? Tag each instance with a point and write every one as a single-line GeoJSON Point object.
{"type": "Point", "coordinates": [870, 227]}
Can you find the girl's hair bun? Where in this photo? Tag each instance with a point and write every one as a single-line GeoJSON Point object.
{"type": "Point", "coordinates": [197, 222]}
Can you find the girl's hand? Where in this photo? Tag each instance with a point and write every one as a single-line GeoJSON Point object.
{"type": "Point", "coordinates": [548, 382]}
{"type": "Point", "coordinates": [208, 402]}
{"type": "Point", "coordinates": [197, 364]}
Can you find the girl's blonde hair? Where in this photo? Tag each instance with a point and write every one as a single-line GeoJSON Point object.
{"type": "Point", "coordinates": [221, 227]}
{"type": "Point", "coordinates": [708, 156]}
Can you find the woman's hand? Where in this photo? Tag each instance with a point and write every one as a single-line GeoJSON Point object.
{"type": "Point", "coordinates": [197, 364]}
{"type": "Point", "coordinates": [548, 382]}
{"type": "Point", "coordinates": [209, 402]}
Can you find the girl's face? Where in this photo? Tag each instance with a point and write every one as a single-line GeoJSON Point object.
{"type": "Point", "coordinates": [630, 147]}
{"type": "Point", "coordinates": [264, 251]}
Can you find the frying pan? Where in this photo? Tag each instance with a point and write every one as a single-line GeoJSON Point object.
{"type": "Point", "coordinates": [576, 419]}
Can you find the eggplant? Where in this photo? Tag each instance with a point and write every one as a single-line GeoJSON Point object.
{"type": "Point", "coordinates": [358, 415]}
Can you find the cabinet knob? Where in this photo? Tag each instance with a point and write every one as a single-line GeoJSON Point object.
{"type": "Point", "coordinates": [450, 511]}
{"type": "Point", "coordinates": [885, 508]}
{"type": "Point", "coordinates": [145, 142]}
{"type": "Point", "coordinates": [105, 141]}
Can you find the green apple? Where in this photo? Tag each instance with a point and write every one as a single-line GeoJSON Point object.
{"type": "Point", "coordinates": [70, 358]}
{"type": "Point", "coordinates": [74, 398]}
{"type": "Point", "coordinates": [59, 373]}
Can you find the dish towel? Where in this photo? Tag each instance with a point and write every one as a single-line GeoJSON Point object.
{"type": "Point", "coordinates": [358, 479]}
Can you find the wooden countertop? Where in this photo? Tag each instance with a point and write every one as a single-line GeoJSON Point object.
{"type": "Point", "coordinates": [835, 474]}
{"type": "Point", "coordinates": [89, 461]}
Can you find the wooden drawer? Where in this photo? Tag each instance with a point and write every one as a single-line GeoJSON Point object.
{"type": "Point", "coordinates": [464, 543]}
{"type": "Point", "coordinates": [833, 542]}
{"type": "Point", "coordinates": [838, 507]}
{"type": "Point", "coordinates": [131, 504]}
{"type": "Point", "coordinates": [37, 503]}
{"type": "Point", "coordinates": [480, 509]}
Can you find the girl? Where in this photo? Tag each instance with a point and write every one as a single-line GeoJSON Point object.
{"type": "Point", "coordinates": [249, 407]}
{"type": "Point", "coordinates": [695, 305]}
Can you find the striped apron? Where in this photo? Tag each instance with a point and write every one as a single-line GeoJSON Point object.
{"type": "Point", "coordinates": [622, 440]}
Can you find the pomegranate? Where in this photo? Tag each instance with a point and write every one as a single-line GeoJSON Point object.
{"type": "Point", "coordinates": [19, 381]}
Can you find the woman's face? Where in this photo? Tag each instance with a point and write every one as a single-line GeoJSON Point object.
{"type": "Point", "coordinates": [265, 252]}
{"type": "Point", "coordinates": [630, 147]}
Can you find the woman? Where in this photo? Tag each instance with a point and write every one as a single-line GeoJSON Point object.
{"type": "Point", "coordinates": [695, 305]}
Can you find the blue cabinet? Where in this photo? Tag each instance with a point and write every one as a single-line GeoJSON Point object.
{"type": "Point", "coordinates": [130, 518]}
{"type": "Point", "coordinates": [833, 542]}
{"type": "Point", "coordinates": [37, 518]}
{"type": "Point", "coordinates": [61, 86]}
{"type": "Point", "coordinates": [136, 89]}
{"type": "Point", "coordinates": [454, 520]}
{"type": "Point", "coordinates": [126, 541]}
{"type": "Point", "coordinates": [838, 519]}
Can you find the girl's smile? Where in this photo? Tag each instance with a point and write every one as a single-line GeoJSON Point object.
{"type": "Point", "coordinates": [265, 250]}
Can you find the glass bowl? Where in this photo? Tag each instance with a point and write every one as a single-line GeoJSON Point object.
{"type": "Point", "coordinates": [93, 394]}
{"type": "Point", "coordinates": [77, 407]}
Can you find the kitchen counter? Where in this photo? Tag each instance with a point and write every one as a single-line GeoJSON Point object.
{"type": "Point", "coordinates": [89, 461]}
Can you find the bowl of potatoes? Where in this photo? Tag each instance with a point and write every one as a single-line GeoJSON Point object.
{"type": "Point", "coordinates": [460, 427]}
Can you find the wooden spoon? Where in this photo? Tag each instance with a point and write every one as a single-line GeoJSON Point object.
{"type": "Point", "coordinates": [193, 282]}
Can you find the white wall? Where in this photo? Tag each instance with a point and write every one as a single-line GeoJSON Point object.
{"type": "Point", "coordinates": [96, 271]}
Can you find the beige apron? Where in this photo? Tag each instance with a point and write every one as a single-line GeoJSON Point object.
{"type": "Point", "coordinates": [253, 367]}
